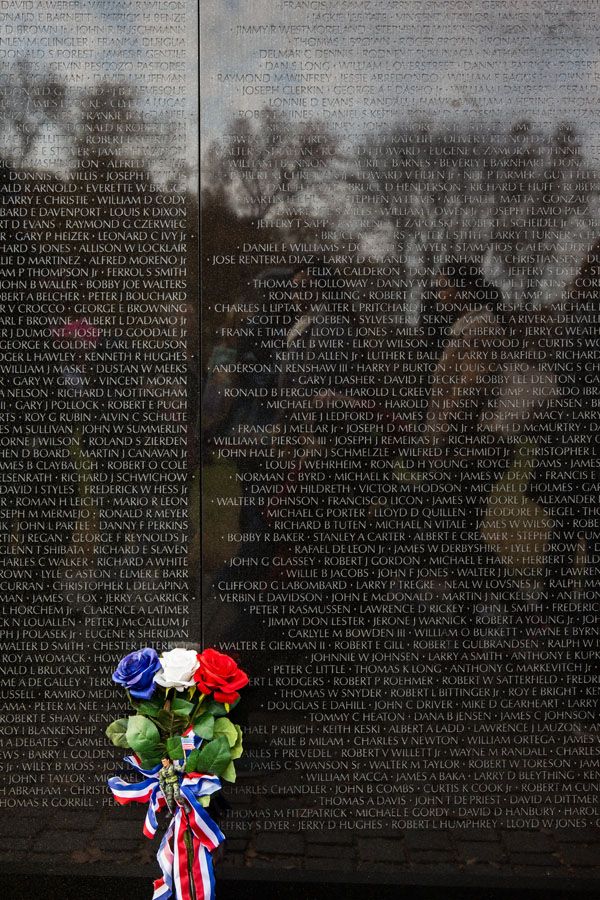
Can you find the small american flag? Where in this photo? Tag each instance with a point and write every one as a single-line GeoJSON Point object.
{"type": "Point", "coordinates": [188, 741]}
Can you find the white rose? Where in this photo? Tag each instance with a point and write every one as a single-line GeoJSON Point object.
{"type": "Point", "coordinates": [178, 667]}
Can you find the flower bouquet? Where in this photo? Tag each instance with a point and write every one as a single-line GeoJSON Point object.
{"type": "Point", "coordinates": [183, 743]}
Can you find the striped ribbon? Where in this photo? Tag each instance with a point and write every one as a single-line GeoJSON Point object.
{"type": "Point", "coordinates": [172, 854]}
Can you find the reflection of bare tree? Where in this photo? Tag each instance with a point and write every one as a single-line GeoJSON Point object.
{"type": "Point", "coordinates": [455, 192]}
{"type": "Point", "coordinates": [110, 124]}
{"type": "Point", "coordinates": [28, 104]}
{"type": "Point", "coordinates": [520, 199]}
{"type": "Point", "coordinates": [46, 123]}
{"type": "Point", "coordinates": [268, 162]}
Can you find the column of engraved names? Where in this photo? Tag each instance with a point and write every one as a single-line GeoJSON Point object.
{"type": "Point", "coordinates": [395, 689]}
{"type": "Point", "coordinates": [95, 304]}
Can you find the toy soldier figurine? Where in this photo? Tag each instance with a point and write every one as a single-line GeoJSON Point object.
{"type": "Point", "coordinates": [169, 779]}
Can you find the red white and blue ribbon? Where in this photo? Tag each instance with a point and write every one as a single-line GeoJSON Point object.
{"type": "Point", "coordinates": [172, 853]}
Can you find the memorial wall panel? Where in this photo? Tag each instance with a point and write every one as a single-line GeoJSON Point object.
{"type": "Point", "coordinates": [400, 273]}
{"type": "Point", "coordinates": [323, 397]}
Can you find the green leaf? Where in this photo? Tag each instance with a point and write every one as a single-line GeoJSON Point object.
{"type": "Point", "coordinates": [191, 763]}
{"type": "Point", "coordinates": [183, 707]}
{"type": "Point", "coordinates": [228, 774]}
{"type": "Point", "coordinates": [149, 708]}
{"type": "Point", "coordinates": [212, 759]}
{"type": "Point", "coordinates": [171, 722]}
{"type": "Point", "coordinates": [174, 748]}
{"type": "Point", "coordinates": [142, 735]}
{"type": "Point", "coordinates": [218, 709]}
{"type": "Point", "coordinates": [238, 747]}
{"type": "Point", "coordinates": [200, 711]}
{"type": "Point", "coordinates": [226, 728]}
{"type": "Point", "coordinates": [204, 801]}
{"type": "Point", "coordinates": [148, 762]}
{"type": "Point", "coordinates": [116, 732]}
{"type": "Point", "coordinates": [204, 727]}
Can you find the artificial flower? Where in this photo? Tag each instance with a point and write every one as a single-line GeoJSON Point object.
{"type": "Point", "coordinates": [136, 672]}
{"type": "Point", "coordinates": [220, 674]}
{"type": "Point", "coordinates": [177, 669]}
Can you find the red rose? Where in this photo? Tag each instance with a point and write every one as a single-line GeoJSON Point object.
{"type": "Point", "coordinates": [219, 673]}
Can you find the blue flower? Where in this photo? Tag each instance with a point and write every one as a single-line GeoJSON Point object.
{"type": "Point", "coordinates": [136, 673]}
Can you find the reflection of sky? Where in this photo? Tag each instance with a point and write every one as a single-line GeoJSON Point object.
{"type": "Point", "coordinates": [466, 60]}
{"type": "Point", "coordinates": [113, 41]}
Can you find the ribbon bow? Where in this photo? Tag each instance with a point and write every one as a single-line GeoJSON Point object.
{"type": "Point", "coordinates": [172, 853]}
